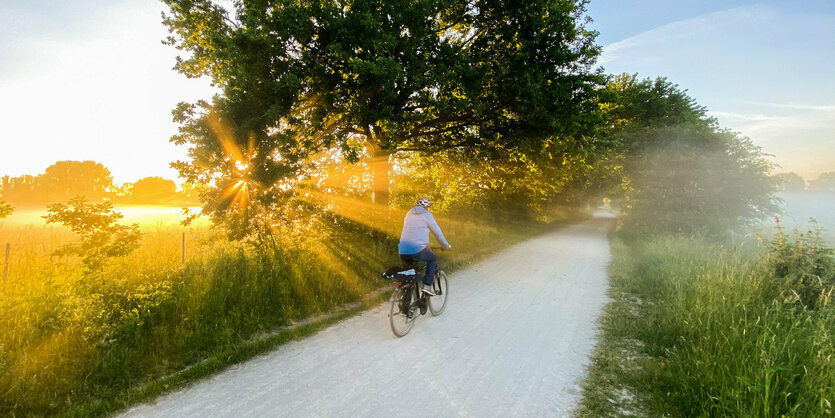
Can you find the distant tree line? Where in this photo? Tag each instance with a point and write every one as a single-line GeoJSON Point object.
{"type": "Point", "coordinates": [65, 180]}
{"type": "Point", "coordinates": [793, 182]}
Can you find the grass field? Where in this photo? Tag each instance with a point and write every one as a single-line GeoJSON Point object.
{"type": "Point", "coordinates": [698, 329]}
{"type": "Point", "coordinates": [89, 344]}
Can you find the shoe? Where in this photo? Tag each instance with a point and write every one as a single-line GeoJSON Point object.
{"type": "Point", "coordinates": [427, 288]}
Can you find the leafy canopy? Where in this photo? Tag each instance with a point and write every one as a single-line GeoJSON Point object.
{"type": "Point", "coordinates": [299, 78]}
{"type": "Point", "coordinates": [679, 171]}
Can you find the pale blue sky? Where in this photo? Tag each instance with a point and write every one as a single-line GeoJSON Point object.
{"type": "Point", "coordinates": [762, 68]}
{"type": "Point", "coordinates": [91, 80]}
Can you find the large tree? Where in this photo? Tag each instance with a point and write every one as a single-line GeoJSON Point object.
{"type": "Point", "coordinates": [678, 170]}
{"type": "Point", "coordinates": [824, 183]}
{"type": "Point", "coordinates": [791, 182]}
{"type": "Point", "coordinates": [60, 181]}
{"type": "Point", "coordinates": [153, 190]}
{"type": "Point", "coordinates": [66, 179]}
{"type": "Point", "coordinates": [19, 190]}
{"type": "Point", "coordinates": [373, 78]}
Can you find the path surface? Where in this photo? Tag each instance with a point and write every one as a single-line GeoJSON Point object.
{"type": "Point", "coordinates": [514, 340]}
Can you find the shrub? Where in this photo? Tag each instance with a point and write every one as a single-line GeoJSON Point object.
{"type": "Point", "coordinates": [101, 237]}
{"type": "Point", "coordinates": [802, 265]}
{"type": "Point", "coordinates": [5, 209]}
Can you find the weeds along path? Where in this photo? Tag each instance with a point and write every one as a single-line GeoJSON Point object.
{"type": "Point", "coordinates": [514, 341]}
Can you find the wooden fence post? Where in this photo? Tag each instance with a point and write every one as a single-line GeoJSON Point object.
{"type": "Point", "coordinates": [6, 265]}
{"type": "Point", "coordinates": [183, 260]}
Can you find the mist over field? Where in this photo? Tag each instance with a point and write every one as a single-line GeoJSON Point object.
{"type": "Point", "coordinates": [799, 206]}
{"type": "Point", "coordinates": [144, 215]}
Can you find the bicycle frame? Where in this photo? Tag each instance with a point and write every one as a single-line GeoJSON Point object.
{"type": "Point", "coordinates": [408, 297]}
{"type": "Point", "coordinates": [416, 297]}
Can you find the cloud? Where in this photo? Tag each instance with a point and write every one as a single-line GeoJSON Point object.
{"type": "Point", "coordinates": [783, 120]}
{"type": "Point", "coordinates": [799, 136]}
{"type": "Point", "coordinates": [823, 108]}
{"type": "Point", "coordinates": [740, 116]}
{"type": "Point", "coordinates": [682, 32]}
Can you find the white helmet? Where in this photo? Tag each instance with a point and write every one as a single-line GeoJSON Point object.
{"type": "Point", "coordinates": [423, 201]}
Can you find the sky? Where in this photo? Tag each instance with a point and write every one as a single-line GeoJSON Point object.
{"type": "Point", "coordinates": [89, 80]}
{"type": "Point", "coordinates": [763, 69]}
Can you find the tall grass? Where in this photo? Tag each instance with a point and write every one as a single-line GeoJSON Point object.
{"type": "Point", "coordinates": [698, 329]}
{"type": "Point", "coordinates": [68, 340]}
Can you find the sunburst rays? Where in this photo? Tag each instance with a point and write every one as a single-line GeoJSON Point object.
{"type": "Point", "coordinates": [239, 189]}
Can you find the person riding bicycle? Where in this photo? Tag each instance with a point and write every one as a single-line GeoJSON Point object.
{"type": "Point", "coordinates": [414, 240]}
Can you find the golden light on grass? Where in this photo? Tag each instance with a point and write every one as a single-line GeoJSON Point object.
{"type": "Point", "coordinates": [379, 217]}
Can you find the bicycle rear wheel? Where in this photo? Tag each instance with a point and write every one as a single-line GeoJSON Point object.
{"type": "Point", "coordinates": [437, 303]}
{"type": "Point", "coordinates": [402, 322]}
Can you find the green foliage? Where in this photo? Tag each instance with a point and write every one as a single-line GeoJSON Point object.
{"type": "Point", "coordinates": [697, 181]}
{"type": "Point", "coordinates": [631, 105]}
{"type": "Point", "coordinates": [803, 266]}
{"type": "Point", "coordinates": [680, 173]}
{"type": "Point", "coordinates": [95, 224]}
{"type": "Point", "coordinates": [700, 332]}
{"type": "Point", "coordinates": [5, 209]}
{"type": "Point", "coordinates": [372, 78]}
{"type": "Point", "coordinates": [500, 182]}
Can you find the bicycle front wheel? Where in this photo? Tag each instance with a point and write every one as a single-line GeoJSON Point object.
{"type": "Point", "coordinates": [437, 303]}
{"type": "Point", "coordinates": [403, 310]}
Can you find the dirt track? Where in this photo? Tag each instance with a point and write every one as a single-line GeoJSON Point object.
{"type": "Point", "coordinates": [514, 341]}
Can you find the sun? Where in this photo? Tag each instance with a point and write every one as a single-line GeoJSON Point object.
{"type": "Point", "coordinates": [239, 189]}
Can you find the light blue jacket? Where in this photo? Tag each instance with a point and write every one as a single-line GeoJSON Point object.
{"type": "Point", "coordinates": [416, 227]}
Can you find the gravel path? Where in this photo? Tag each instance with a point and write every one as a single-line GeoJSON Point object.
{"type": "Point", "coordinates": [514, 341]}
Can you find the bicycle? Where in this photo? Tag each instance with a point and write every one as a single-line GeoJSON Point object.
{"type": "Point", "coordinates": [408, 301]}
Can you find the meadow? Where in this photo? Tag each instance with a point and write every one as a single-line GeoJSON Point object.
{"type": "Point", "coordinates": [88, 344]}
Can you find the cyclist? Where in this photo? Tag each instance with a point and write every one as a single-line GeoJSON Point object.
{"type": "Point", "coordinates": [414, 240]}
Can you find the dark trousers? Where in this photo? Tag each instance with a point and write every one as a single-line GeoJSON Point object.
{"type": "Point", "coordinates": [426, 255]}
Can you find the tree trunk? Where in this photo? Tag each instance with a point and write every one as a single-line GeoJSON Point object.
{"type": "Point", "coordinates": [380, 165]}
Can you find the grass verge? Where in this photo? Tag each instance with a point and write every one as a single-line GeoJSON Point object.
{"type": "Point", "coordinates": [697, 329]}
{"type": "Point", "coordinates": [218, 362]}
